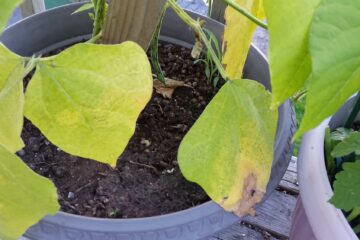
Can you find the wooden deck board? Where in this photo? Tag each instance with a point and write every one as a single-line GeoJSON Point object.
{"type": "Point", "coordinates": [240, 231]}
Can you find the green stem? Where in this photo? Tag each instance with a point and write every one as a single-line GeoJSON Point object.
{"type": "Point", "coordinates": [246, 13]}
{"type": "Point", "coordinates": [354, 214]}
{"type": "Point", "coordinates": [354, 112]}
{"type": "Point", "coordinates": [30, 64]}
{"type": "Point", "coordinates": [154, 48]}
{"type": "Point", "coordinates": [96, 38]}
{"type": "Point", "coordinates": [299, 96]}
{"type": "Point", "coordinates": [329, 159]}
{"type": "Point", "coordinates": [195, 25]}
{"type": "Point", "coordinates": [100, 13]}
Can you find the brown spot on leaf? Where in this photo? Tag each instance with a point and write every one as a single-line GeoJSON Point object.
{"type": "Point", "coordinates": [250, 197]}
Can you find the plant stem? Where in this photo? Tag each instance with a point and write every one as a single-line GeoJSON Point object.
{"type": "Point", "coordinates": [354, 213]}
{"type": "Point", "coordinates": [196, 26]}
{"type": "Point", "coordinates": [30, 64]}
{"type": "Point", "coordinates": [354, 112]}
{"type": "Point", "coordinates": [154, 48]}
{"type": "Point", "coordinates": [331, 166]}
{"type": "Point", "coordinates": [96, 38]}
{"type": "Point", "coordinates": [246, 13]}
{"type": "Point", "coordinates": [100, 13]}
{"type": "Point", "coordinates": [299, 95]}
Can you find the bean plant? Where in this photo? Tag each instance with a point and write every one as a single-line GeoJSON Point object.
{"type": "Point", "coordinates": [211, 71]}
{"type": "Point", "coordinates": [86, 100]}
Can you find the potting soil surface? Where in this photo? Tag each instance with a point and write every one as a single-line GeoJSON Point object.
{"type": "Point", "coordinates": [147, 180]}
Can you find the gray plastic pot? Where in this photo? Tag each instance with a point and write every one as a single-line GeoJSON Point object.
{"type": "Point", "coordinates": [56, 28]}
{"type": "Point", "coordinates": [314, 217]}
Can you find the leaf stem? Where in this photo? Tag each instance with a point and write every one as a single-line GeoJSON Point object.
{"type": "Point", "coordinates": [354, 213]}
{"type": "Point", "coordinates": [246, 13]}
{"type": "Point", "coordinates": [154, 48]}
{"type": "Point", "coordinates": [100, 13]}
{"type": "Point", "coordinates": [354, 112]}
{"type": "Point", "coordinates": [30, 64]}
{"type": "Point", "coordinates": [96, 38]}
{"type": "Point", "coordinates": [331, 166]}
{"type": "Point", "coordinates": [196, 26]}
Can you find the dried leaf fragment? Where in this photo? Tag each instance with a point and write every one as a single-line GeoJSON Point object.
{"type": "Point", "coordinates": [198, 46]}
{"type": "Point", "coordinates": [167, 89]}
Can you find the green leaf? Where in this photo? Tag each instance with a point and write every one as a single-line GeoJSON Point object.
{"type": "Point", "coordinates": [25, 197]}
{"type": "Point", "coordinates": [354, 214]}
{"type": "Point", "coordinates": [357, 229]}
{"type": "Point", "coordinates": [86, 100]}
{"type": "Point", "coordinates": [85, 7]}
{"type": "Point", "coordinates": [11, 99]}
{"type": "Point", "coordinates": [349, 145]}
{"type": "Point", "coordinates": [346, 187]}
{"type": "Point", "coordinates": [237, 36]}
{"type": "Point", "coordinates": [340, 134]}
{"type": "Point", "coordinates": [6, 10]}
{"type": "Point", "coordinates": [290, 63]}
{"type": "Point", "coordinates": [335, 51]}
{"type": "Point", "coordinates": [229, 150]}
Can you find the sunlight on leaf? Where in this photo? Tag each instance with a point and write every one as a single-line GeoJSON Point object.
{"type": "Point", "coordinates": [237, 36]}
{"type": "Point", "coordinates": [290, 63]}
{"type": "Point", "coordinates": [229, 150]}
{"type": "Point", "coordinates": [25, 197]}
{"type": "Point", "coordinates": [11, 99]}
{"type": "Point", "coordinates": [335, 51]}
{"type": "Point", "coordinates": [86, 100]}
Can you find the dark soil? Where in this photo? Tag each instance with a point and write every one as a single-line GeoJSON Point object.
{"type": "Point", "coordinates": [147, 180]}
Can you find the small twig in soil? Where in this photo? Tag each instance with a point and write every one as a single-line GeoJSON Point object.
{"type": "Point", "coordinates": [145, 165]}
{"type": "Point", "coordinates": [82, 187]}
{"type": "Point", "coordinates": [102, 174]}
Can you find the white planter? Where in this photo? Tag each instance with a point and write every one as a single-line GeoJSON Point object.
{"type": "Point", "coordinates": [314, 216]}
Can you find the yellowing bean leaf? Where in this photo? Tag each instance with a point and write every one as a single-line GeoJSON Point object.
{"type": "Point", "coordinates": [229, 150]}
{"type": "Point", "coordinates": [11, 99]}
{"type": "Point", "coordinates": [7, 7]}
{"type": "Point", "coordinates": [335, 51]}
{"type": "Point", "coordinates": [237, 36]}
{"type": "Point", "coordinates": [290, 63]}
{"type": "Point", "coordinates": [86, 100]}
{"type": "Point", "coordinates": [25, 197]}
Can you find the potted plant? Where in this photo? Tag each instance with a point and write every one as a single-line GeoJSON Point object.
{"type": "Point", "coordinates": [57, 101]}
{"type": "Point", "coordinates": [75, 116]}
{"type": "Point", "coordinates": [320, 60]}
{"type": "Point", "coordinates": [327, 72]}
{"type": "Point", "coordinates": [329, 200]}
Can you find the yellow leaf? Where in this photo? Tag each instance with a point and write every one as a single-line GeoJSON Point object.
{"type": "Point", "coordinates": [86, 100]}
{"type": "Point", "coordinates": [229, 149]}
{"type": "Point", "coordinates": [237, 36]}
{"type": "Point", "coordinates": [11, 99]}
{"type": "Point", "coordinates": [25, 197]}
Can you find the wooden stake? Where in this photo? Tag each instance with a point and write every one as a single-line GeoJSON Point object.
{"type": "Point", "coordinates": [133, 20]}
